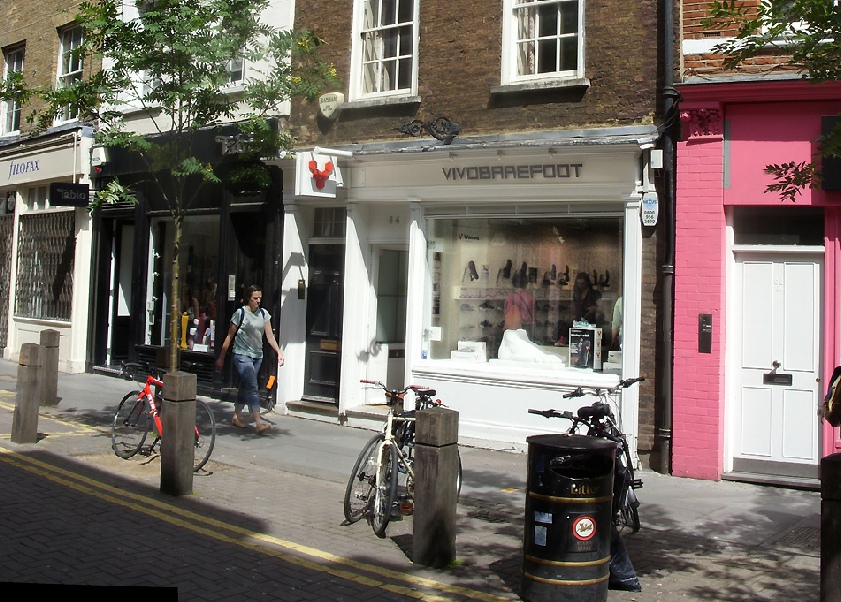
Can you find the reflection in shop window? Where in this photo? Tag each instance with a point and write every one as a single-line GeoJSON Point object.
{"type": "Point", "coordinates": [505, 289]}
{"type": "Point", "coordinates": [199, 256]}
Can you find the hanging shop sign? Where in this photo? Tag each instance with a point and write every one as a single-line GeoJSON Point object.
{"type": "Point", "coordinates": [649, 209]}
{"type": "Point", "coordinates": [69, 195]}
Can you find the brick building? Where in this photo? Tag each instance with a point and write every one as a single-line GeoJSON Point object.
{"type": "Point", "coordinates": [759, 275]}
{"type": "Point", "coordinates": [44, 241]}
{"type": "Point", "coordinates": [475, 157]}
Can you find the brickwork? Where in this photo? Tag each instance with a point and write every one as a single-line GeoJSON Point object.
{"type": "Point", "coordinates": [693, 27]}
{"type": "Point", "coordinates": [649, 351]}
{"type": "Point", "coordinates": [459, 64]}
{"type": "Point", "coordinates": [37, 26]}
{"type": "Point", "coordinates": [699, 269]}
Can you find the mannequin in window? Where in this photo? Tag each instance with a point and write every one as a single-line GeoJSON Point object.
{"type": "Point", "coordinates": [519, 312]}
{"type": "Point", "coordinates": [586, 301]}
{"type": "Point", "coordinates": [519, 305]}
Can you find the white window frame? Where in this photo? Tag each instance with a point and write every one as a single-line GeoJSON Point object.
{"type": "Point", "coordinates": [10, 111]}
{"type": "Point", "coordinates": [236, 72]}
{"type": "Point", "coordinates": [70, 68]}
{"type": "Point", "coordinates": [514, 39]}
{"type": "Point", "coordinates": [368, 26]}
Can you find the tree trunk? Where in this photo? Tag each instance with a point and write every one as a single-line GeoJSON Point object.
{"type": "Point", "coordinates": [175, 293]}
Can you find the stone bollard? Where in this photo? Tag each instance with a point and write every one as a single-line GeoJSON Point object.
{"type": "Point", "coordinates": [178, 416]}
{"type": "Point", "coordinates": [436, 493]}
{"type": "Point", "coordinates": [29, 379]}
{"type": "Point", "coordinates": [49, 341]}
{"type": "Point", "coordinates": [830, 527]}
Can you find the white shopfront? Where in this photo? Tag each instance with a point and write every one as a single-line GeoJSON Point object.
{"type": "Point", "coordinates": [437, 243]}
{"type": "Point", "coordinates": [45, 261]}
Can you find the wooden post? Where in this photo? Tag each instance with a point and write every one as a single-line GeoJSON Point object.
{"type": "Point", "coordinates": [178, 441]}
{"type": "Point", "coordinates": [29, 379]}
{"type": "Point", "coordinates": [830, 527]}
{"type": "Point", "coordinates": [436, 493]}
{"type": "Point", "coordinates": [49, 341]}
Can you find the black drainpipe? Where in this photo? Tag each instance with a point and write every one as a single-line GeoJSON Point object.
{"type": "Point", "coordinates": [667, 269]}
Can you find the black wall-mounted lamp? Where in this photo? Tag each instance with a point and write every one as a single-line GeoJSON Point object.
{"type": "Point", "coordinates": [438, 127]}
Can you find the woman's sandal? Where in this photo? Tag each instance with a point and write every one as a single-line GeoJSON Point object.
{"type": "Point", "coordinates": [263, 428]}
{"type": "Point", "coordinates": [235, 421]}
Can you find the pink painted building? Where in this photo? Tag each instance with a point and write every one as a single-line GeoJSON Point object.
{"type": "Point", "coordinates": [757, 292]}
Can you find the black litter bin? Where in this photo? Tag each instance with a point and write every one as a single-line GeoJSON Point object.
{"type": "Point", "coordinates": [566, 548]}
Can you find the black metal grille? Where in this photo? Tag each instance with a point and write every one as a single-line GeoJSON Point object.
{"type": "Point", "coordinates": [7, 223]}
{"type": "Point", "coordinates": [46, 255]}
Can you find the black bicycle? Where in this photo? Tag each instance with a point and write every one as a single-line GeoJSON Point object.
{"type": "Point", "coordinates": [599, 420]}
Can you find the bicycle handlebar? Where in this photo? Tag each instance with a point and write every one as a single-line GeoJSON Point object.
{"type": "Point", "coordinates": [622, 384]}
{"type": "Point", "coordinates": [553, 414]}
{"type": "Point", "coordinates": [425, 393]}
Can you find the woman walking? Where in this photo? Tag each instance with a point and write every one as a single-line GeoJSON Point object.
{"type": "Point", "coordinates": [248, 324]}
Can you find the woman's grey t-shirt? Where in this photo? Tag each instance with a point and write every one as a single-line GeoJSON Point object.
{"type": "Point", "coordinates": [249, 337]}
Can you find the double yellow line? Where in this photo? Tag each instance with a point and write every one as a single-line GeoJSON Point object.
{"type": "Point", "coordinates": [311, 558]}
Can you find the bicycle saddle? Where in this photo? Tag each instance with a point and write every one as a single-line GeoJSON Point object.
{"type": "Point", "coordinates": [597, 410]}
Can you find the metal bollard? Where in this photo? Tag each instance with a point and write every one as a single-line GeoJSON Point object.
{"type": "Point", "coordinates": [29, 379]}
{"type": "Point", "coordinates": [830, 527]}
{"type": "Point", "coordinates": [178, 416]}
{"type": "Point", "coordinates": [436, 474]}
{"type": "Point", "coordinates": [50, 341]}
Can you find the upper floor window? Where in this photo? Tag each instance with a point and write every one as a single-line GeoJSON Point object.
{"type": "Point", "coordinates": [543, 39]}
{"type": "Point", "coordinates": [10, 109]}
{"type": "Point", "coordinates": [236, 71]}
{"type": "Point", "coordinates": [71, 63]}
{"type": "Point", "coordinates": [385, 48]}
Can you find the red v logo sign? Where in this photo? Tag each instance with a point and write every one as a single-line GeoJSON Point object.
{"type": "Point", "coordinates": [320, 175]}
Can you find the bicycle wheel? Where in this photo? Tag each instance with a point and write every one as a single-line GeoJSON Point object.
{"type": "Point", "coordinates": [627, 515]}
{"type": "Point", "coordinates": [385, 492]}
{"type": "Point", "coordinates": [205, 434]}
{"type": "Point", "coordinates": [362, 481]}
{"type": "Point", "coordinates": [131, 425]}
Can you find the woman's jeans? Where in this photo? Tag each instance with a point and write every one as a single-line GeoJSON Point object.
{"type": "Point", "coordinates": [247, 369]}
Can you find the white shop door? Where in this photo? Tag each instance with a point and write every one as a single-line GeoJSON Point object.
{"type": "Point", "coordinates": [778, 361]}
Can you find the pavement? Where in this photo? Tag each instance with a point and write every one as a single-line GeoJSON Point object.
{"type": "Point", "coordinates": [265, 521]}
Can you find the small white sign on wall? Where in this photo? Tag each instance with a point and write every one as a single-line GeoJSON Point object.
{"type": "Point", "coordinates": [650, 209]}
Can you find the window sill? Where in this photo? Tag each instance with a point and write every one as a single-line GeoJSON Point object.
{"type": "Point", "coordinates": [368, 103]}
{"type": "Point", "coordinates": [515, 373]}
{"type": "Point", "coordinates": [543, 85]}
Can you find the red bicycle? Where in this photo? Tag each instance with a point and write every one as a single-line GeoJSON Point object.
{"type": "Point", "coordinates": [139, 415]}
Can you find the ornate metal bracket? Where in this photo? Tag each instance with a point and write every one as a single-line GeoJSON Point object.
{"type": "Point", "coordinates": [438, 127]}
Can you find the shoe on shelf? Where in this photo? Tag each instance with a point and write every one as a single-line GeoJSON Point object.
{"type": "Point", "coordinates": [237, 423]}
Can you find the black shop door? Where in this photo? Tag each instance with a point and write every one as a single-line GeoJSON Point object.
{"type": "Point", "coordinates": [324, 322]}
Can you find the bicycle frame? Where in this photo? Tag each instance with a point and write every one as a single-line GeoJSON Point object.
{"type": "Point", "coordinates": [154, 409]}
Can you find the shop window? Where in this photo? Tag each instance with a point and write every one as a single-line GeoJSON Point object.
{"type": "Point", "coordinates": [199, 261]}
{"type": "Point", "coordinates": [330, 222]}
{"type": "Point", "coordinates": [778, 226]}
{"type": "Point", "coordinates": [482, 268]}
{"type": "Point", "coordinates": [391, 296]}
{"type": "Point", "coordinates": [45, 262]}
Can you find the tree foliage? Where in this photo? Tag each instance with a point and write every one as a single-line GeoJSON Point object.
{"type": "Point", "coordinates": [805, 34]}
{"type": "Point", "coordinates": [166, 75]}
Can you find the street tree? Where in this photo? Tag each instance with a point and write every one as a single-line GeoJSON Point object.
{"type": "Point", "coordinates": [166, 69]}
{"type": "Point", "coordinates": [800, 34]}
